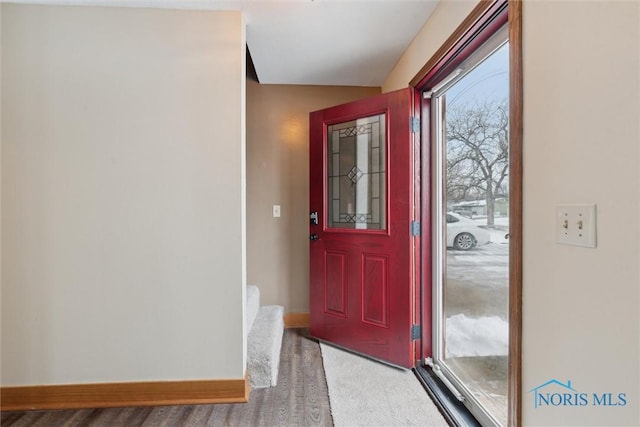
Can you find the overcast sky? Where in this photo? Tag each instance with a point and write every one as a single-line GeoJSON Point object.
{"type": "Point", "coordinates": [489, 80]}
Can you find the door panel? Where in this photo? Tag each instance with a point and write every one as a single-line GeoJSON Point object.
{"type": "Point", "coordinates": [375, 290]}
{"type": "Point", "coordinates": [361, 185]}
{"type": "Point", "coordinates": [335, 268]}
{"type": "Point", "coordinates": [470, 143]}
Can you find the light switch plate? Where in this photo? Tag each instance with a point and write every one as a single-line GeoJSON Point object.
{"type": "Point", "coordinates": [276, 211]}
{"type": "Point", "coordinates": [576, 225]}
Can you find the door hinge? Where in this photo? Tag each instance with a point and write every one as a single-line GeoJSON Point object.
{"type": "Point", "coordinates": [415, 124]}
{"type": "Point", "coordinates": [415, 228]}
{"type": "Point", "coordinates": [416, 332]}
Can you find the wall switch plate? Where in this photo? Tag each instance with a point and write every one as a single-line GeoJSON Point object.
{"type": "Point", "coordinates": [576, 225]}
{"type": "Point", "coordinates": [276, 211]}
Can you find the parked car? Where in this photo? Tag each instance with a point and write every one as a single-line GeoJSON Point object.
{"type": "Point", "coordinates": [463, 234]}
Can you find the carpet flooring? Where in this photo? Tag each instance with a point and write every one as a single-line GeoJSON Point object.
{"type": "Point", "coordinates": [367, 393]}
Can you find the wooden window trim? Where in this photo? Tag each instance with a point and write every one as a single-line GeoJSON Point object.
{"type": "Point", "coordinates": [462, 42]}
{"type": "Point", "coordinates": [494, 14]}
{"type": "Point", "coordinates": [515, 212]}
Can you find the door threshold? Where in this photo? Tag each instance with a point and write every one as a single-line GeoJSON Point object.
{"type": "Point", "coordinates": [454, 411]}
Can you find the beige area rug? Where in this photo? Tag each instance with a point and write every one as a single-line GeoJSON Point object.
{"type": "Point", "coordinates": [367, 393]}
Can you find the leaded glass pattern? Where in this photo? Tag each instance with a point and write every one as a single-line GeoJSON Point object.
{"type": "Point", "coordinates": [356, 173]}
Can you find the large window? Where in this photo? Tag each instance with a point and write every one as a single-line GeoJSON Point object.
{"type": "Point", "coordinates": [470, 138]}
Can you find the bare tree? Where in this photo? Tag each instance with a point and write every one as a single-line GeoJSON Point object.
{"type": "Point", "coordinates": [478, 152]}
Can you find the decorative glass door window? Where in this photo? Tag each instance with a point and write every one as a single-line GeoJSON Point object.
{"type": "Point", "coordinates": [356, 173]}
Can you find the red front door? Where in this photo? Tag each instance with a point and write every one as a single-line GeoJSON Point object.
{"type": "Point", "coordinates": [361, 248]}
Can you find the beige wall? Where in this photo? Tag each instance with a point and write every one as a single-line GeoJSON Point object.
{"type": "Point", "coordinates": [278, 174]}
{"type": "Point", "coordinates": [581, 139]}
{"type": "Point", "coordinates": [446, 17]}
{"type": "Point", "coordinates": [122, 195]}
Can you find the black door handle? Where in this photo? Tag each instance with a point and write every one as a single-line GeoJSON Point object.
{"type": "Point", "coordinates": [314, 236]}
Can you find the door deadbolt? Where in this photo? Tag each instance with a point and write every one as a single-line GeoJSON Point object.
{"type": "Point", "coordinates": [314, 218]}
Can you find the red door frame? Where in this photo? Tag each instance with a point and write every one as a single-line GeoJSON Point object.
{"type": "Point", "coordinates": [423, 254]}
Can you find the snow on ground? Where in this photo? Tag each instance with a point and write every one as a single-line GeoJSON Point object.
{"type": "Point", "coordinates": [482, 336]}
{"type": "Point", "coordinates": [480, 270]}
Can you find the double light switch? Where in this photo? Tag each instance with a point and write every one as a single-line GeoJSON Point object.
{"type": "Point", "coordinates": [576, 225]}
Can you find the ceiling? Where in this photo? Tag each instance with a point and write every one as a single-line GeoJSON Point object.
{"type": "Point", "coordinates": [312, 42]}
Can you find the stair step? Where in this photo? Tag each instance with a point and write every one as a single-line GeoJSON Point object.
{"type": "Point", "coordinates": [253, 305]}
{"type": "Point", "coordinates": [263, 346]}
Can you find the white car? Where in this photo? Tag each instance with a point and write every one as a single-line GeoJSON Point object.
{"type": "Point", "coordinates": [463, 234]}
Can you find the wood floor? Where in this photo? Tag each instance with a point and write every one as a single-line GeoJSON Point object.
{"type": "Point", "coordinates": [299, 399]}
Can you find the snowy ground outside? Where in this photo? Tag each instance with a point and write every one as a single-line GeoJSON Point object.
{"type": "Point", "coordinates": [483, 336]}
{"type": "Point", "coordinates": [476, 296]}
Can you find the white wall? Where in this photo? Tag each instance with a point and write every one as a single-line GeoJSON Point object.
{"type": "Point", "coordinates": [122, 195]}
{"type": "Point", "coordinates": [581, 144]}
